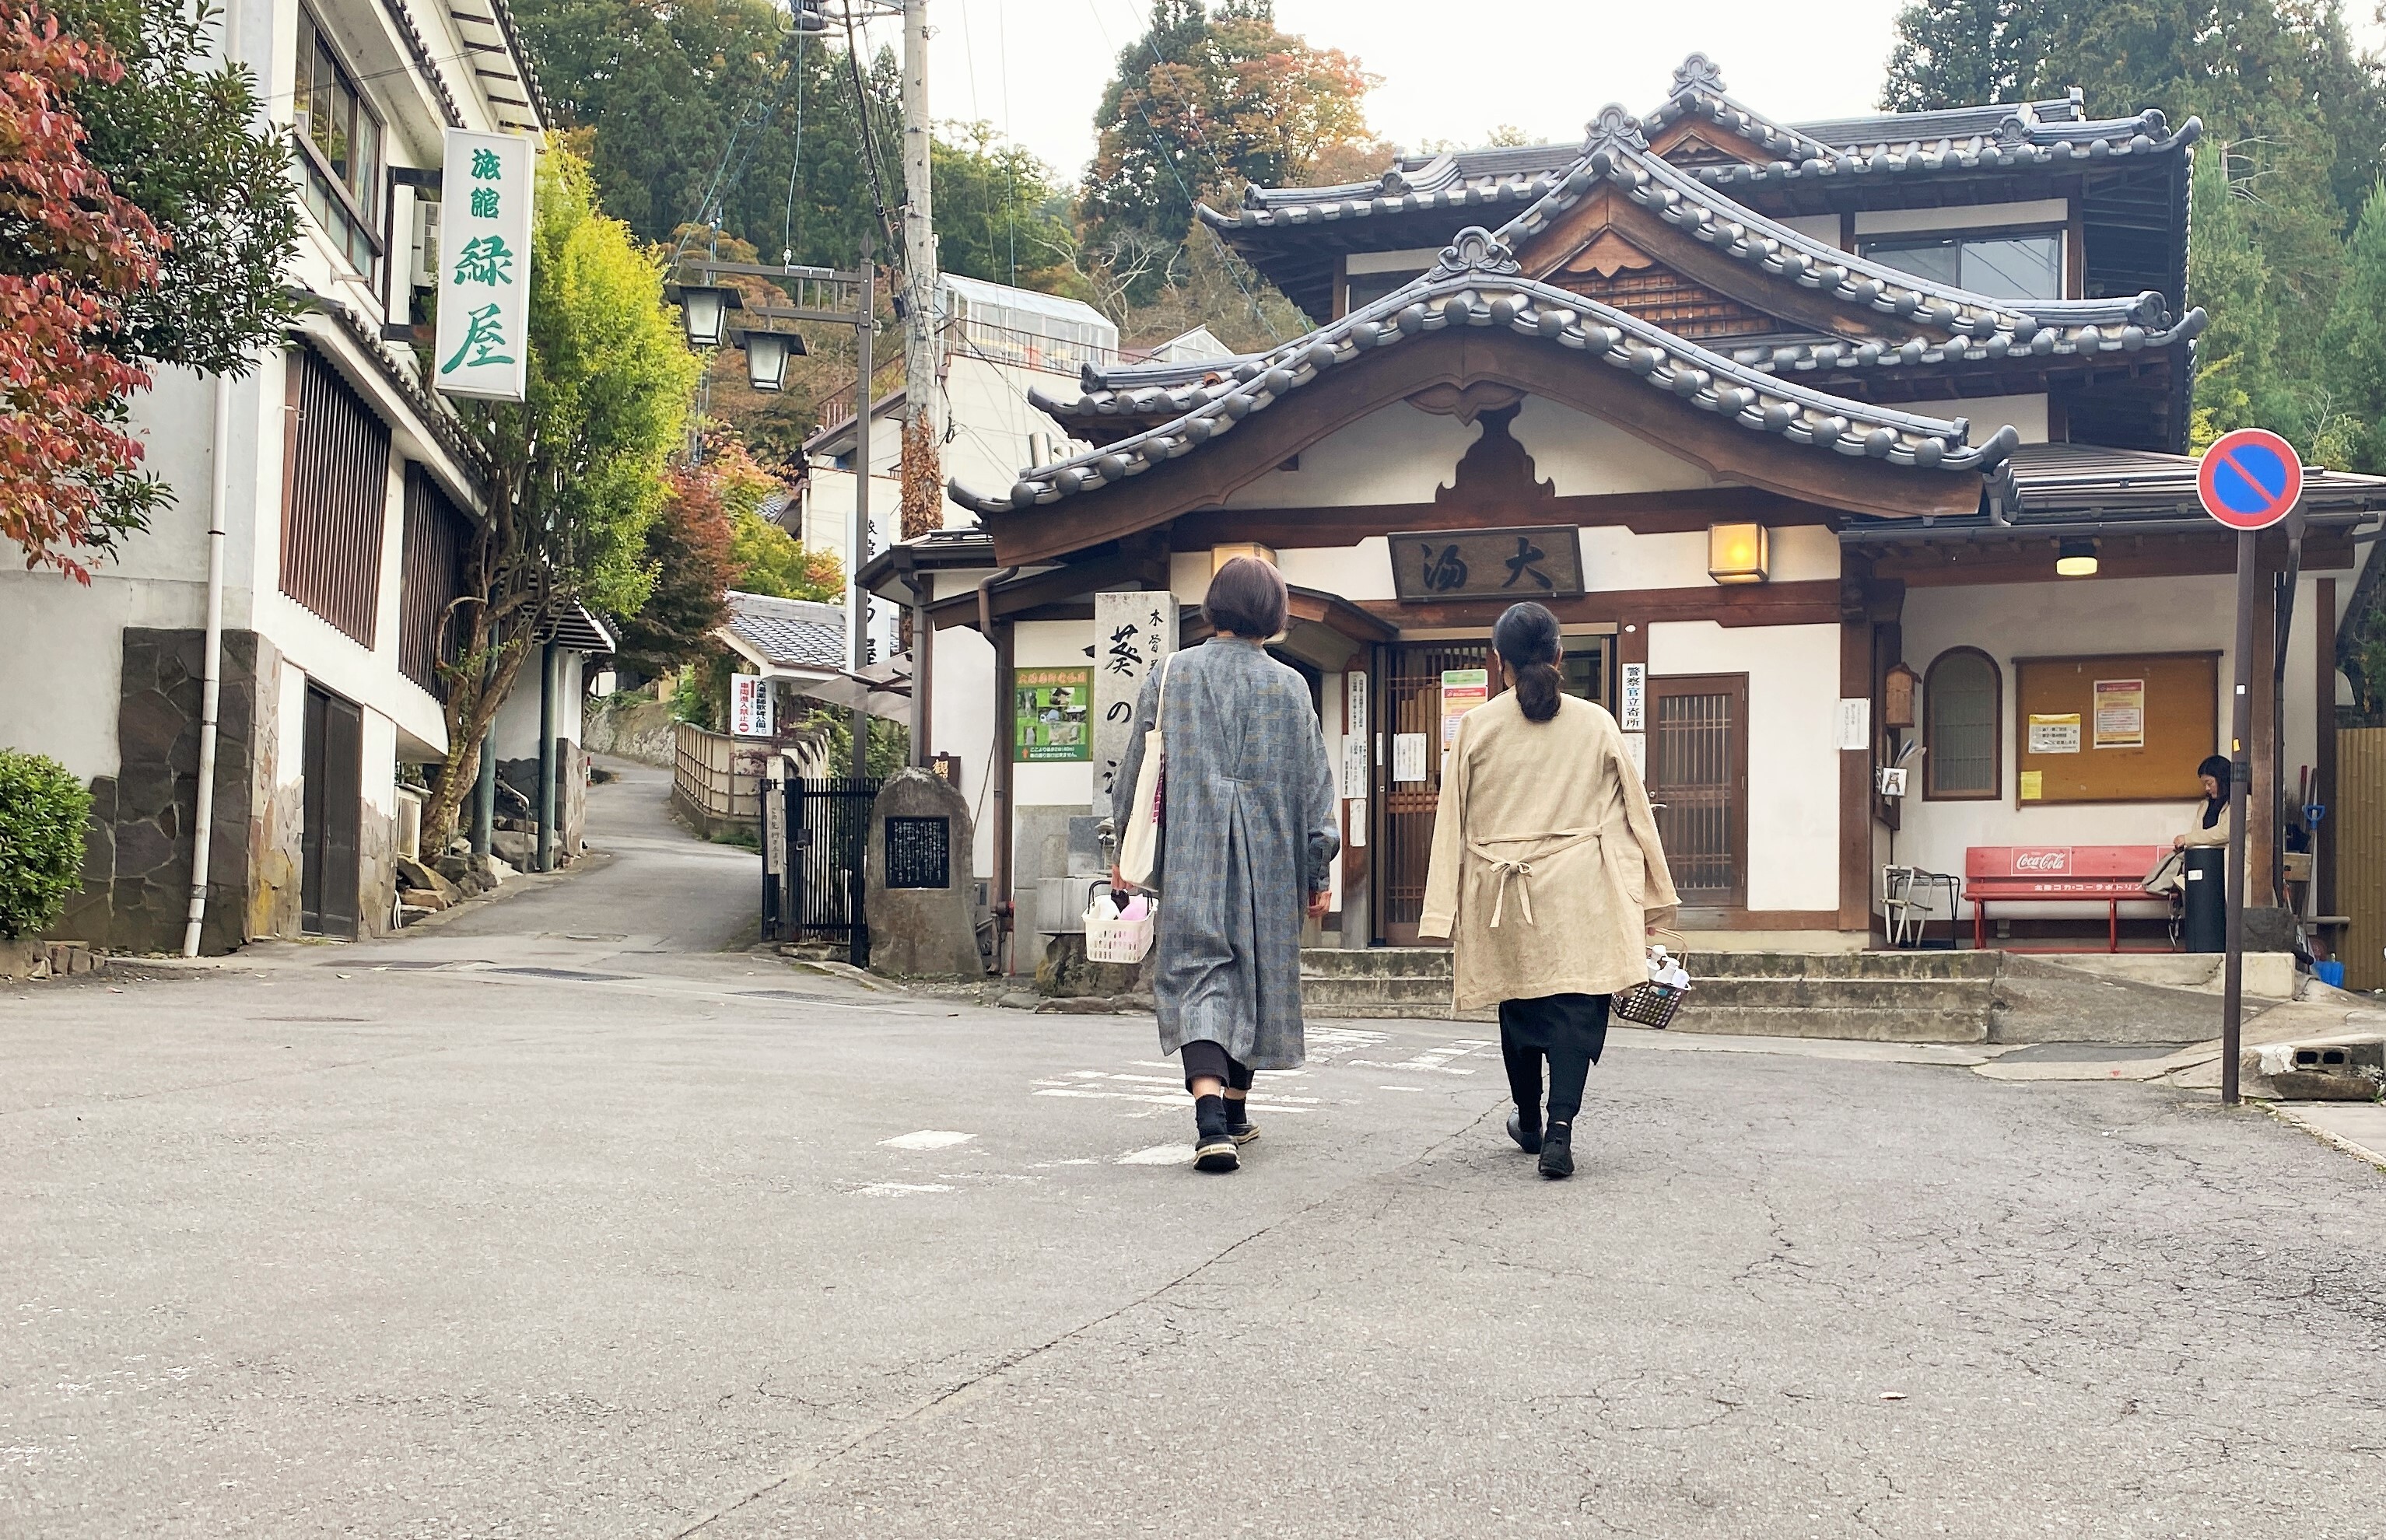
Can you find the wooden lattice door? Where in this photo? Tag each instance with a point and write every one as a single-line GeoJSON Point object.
{"type": "Point", "coordinates": [1412, 704]}
{"type": "Point", "coordinates": [1698, 775]}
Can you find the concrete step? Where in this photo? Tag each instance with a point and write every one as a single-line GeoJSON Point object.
{"type": "Point", "coordinates": [1376, 962]}
{"type": "Point", "coordinates": [1862, 1024]}
{"type": "Point", "coordinates": [1396, 990]}
{"type": "Point", "coordinates": [1976, 966]}
{"type": "Point", "coordinates": [1836, 993]}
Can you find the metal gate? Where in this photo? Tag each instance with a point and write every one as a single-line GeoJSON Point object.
{"type": "Point", "coordinates": [1698, 775]}
{"type": "Point", "coordinates": [1412, 704]}
{"type": "Point", "coordinates": [824, 857]}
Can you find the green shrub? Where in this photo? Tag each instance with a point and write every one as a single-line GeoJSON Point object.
{"type": "Point", "coordinates": [42, 811]}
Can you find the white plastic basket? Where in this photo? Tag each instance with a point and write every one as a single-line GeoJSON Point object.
{"type": "Point", "coordinates": [1126, 941]}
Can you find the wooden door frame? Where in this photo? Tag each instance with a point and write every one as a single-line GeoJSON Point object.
{"type": "Point", "coordinates": [1735, 825]}
{"type": "Point", "coordinates": [342, 918]}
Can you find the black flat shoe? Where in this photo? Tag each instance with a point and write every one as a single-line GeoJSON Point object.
{"type": "Point", "coordinates": [1529, 1143]}
{"type": "Point", "coordinates": [1557, 1152]}
{"type": "Point", "coordinates": [1215, 1152]}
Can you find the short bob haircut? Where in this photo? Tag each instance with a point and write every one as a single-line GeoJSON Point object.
{"type": "Point", "coordinates": [1245, 597]}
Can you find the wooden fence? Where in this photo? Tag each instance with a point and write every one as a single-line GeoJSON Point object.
{"type": "Point", "coordinates": [2360, 819]}
{"type": "Point", "coordinates": [714, 779]}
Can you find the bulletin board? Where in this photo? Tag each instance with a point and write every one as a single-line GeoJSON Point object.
{"type": "Point", "coordinates": [2125, 728]}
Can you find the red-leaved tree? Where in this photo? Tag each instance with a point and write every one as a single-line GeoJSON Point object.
{"type": "Point", "coordinates": [72, 253]}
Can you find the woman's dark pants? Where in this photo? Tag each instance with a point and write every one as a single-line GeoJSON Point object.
{"type": "Point", "coordinates": [1205, 1060]}
{"type": "Point", "coordinates": [1567, 1030]}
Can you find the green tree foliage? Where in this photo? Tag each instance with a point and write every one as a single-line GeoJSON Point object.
{"type": "Point", "coordinates": [1205, 103]}
{"type": "Point", "coordinates": [2354, 344]}
{"type": "Point", "coordinates": [43, 809]}
{"type": "Point", "coordinates": [578, 475]}
{"type": "Point", "coordinates": [766, 559]}
{"type": "Point", "coordinates": [999, 215]}
{"type": "Point", "coordinates": [1959, 52]}
{"type": "Point", "coordinates": [176, 136]}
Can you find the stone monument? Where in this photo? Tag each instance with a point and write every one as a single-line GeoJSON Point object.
{"type": "Point", "coordinates": [920, 899]}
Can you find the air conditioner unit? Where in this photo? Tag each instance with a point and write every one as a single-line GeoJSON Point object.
{"type": "Point", "coordinates": [422, 249]}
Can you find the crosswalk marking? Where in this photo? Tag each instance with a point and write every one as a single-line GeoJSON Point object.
{"type": "Point", "coordinates": [928, 1138]}
{"type": "Point", "coordinates": [902, 1189]}
{"type": "Point", "coordinates": [1157, 1155]}
{"type": "Point", "coordinates": [1432, 1060]}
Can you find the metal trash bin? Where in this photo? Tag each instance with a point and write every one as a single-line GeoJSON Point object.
{"type": "Point", "coordinates": [2206, 878]}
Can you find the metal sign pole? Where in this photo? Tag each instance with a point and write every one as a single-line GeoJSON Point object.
{"type": "Point", "coordinates": [2241, 769]}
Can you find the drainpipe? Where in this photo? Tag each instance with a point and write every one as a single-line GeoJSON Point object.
{"type": "Point", "coordinates": [202, 819]}
{"type": "Point", "coordinates": [547, 758]}
{"type": "Point", "coordinates": [998, 899]}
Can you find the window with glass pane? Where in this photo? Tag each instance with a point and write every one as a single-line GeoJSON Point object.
{"type": "Point", "coordinates": [334, 122]}
{"type": "Point", "coordinates": [1959, 727]}
{"type": "Point", "coordinates": [2002, 267]}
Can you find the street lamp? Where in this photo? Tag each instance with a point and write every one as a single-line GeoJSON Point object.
{"type": "Point", "coordinates": [768, 350]}
{"type": "Point", "coordinates": [703, 309]}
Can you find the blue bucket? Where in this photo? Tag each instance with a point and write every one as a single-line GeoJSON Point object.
{"type": "Point", "coordinates": [2330, 973]}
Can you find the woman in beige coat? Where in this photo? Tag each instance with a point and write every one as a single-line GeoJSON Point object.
{"type": "Point", "coordinates": [1547, 876]}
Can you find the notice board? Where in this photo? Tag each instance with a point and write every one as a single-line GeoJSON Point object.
{"type": "Point", "coordinates": [2123, 728]}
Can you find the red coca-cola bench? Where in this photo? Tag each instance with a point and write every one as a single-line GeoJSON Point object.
{"type": "Point", "coordinates": [2109, 874]}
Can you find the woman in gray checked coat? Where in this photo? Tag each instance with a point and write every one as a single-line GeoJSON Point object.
{"type": "Point", "coordinates": [1248, 841]}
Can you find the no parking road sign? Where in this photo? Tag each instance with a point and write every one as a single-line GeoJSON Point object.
{"type": "Point", "coordinates": [2250, 479]}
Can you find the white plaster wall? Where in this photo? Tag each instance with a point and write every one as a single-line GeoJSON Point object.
{"type": "Point", "coordinates": [1989, 413]}
{"type": "Point", "coordinates": [1052, 645]}
{"type": "Point", "coordinates": [1964, 217]}
{"type": "Point", "coordinates": [1584, 456]}
{"type": "Point", "coordinates": [2087, 618]}
{"type": "Point", "coordinates": [1794, 763]}
{"type": "Point", "coordinates": [1818, 227]}
{"type": "Point", "coordinates": [517, 723]}
{"type": "Point", "coordinates": [1383, 457]}
{"type": "Point", "coordinates": [1361, 572]}
{"type": "Point", "coordinates": [963, 713]}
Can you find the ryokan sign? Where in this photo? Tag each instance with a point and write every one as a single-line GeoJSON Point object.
{"type": "Point", "coordinates": [482, 348]}
{"type": "Point", "coordinates": [1543, 562]}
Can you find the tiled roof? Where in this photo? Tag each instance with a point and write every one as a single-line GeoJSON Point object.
{"type": "Point", "coordinates": [1996, 136]}
{"type": "Point", "coordinates": [2068, 481]}
{"type": "Point", "coordinates": [1981, 326]}
{"type": "Point", "coordinates": [795, 633]}
{"type": "Point", "coordinates": [1477, 284]}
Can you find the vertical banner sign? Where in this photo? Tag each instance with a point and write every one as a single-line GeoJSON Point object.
{"type": "Point", "coordinates": [1133, 632]}
{"type": "Point", "coordinates": [749, 706]}
{"type": "Point", "coordinates": [1632, 698]}
{"type": "Point", "coordinates": [482, 346]}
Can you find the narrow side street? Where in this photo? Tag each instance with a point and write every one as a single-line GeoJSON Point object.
{"type": "Point", "coordinates": [591, 1231]}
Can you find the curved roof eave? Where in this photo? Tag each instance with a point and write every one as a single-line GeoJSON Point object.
{"type": "Point", "coordinates": [1617, 153]}
{"type": "Point", "coordinates": [1477, 284]}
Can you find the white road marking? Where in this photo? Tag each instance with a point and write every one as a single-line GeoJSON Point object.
{"type": "Point", "coordinates": [1399, 1087]}
{"type": "Point", "coordinates": [1157, 1155]}
{"type": "Point", "coordinates": [928, 1138]}
{"type": "Point", "coordinates": [1259, 1104]}
{"type": "Point", "coordinates": [1436, 1061]}
{"type": "Point", "coordinates": [902, 1189]}
{"type": "Point", "coordinates": [1327, 1043]}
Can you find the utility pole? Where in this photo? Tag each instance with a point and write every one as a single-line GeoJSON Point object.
{"type": "Point", "coordinates": [925, 416]}
{"type": "Point", "coordinates": [857, 604]}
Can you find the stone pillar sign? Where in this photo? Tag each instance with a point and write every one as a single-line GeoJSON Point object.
{"type": "Point", "coordinates": [1133, 632]}
{"type": "Point", "coordinates": [923, 919]}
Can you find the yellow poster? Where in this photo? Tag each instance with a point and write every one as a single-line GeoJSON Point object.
{"type": "Point", "coordinates": [2120, 713]}
{"type": "Point", "coordinates": [2033, 786]}
{"type": "Point", "coordinates": [1462, 691]}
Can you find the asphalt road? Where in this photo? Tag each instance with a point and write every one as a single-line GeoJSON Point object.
{"type": "Point", "coordinates": [558, 1221]}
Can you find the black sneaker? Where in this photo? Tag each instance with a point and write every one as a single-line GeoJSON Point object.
{"type": "Point", "coordinates": [1557, 1151]}
{"type": "Point", "coordinates": [1215, 1152]}
{"type": "Point", "coordinates": [1530, 1143]}
{"type": "Point", "coordinates": [1239, 1128]}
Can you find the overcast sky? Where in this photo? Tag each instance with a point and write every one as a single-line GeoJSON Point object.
{"type": "Point", "coordinates": [1035, 68]}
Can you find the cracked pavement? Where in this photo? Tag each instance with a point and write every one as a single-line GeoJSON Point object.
{"type": "Point", "coordinates": [388, 1240]}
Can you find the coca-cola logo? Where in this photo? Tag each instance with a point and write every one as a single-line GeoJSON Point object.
{"type": "Point", "coordinates": [2044, 861]}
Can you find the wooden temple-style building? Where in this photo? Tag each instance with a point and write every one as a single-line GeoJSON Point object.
{"type": "Point", "coordinates": [1837, 448]}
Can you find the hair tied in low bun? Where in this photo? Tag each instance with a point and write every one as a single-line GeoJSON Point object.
{"type": "Point", "coordinates": [1527, 638]}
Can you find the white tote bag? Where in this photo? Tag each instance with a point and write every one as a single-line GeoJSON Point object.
{"type": "Point", "coordinates": [1139, 844]}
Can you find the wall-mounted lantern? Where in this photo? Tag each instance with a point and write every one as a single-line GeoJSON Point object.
{"type": "Point", "coordinates": [1739, 553]}
{"type": "Point", "coordinates": [1897, 697]}
{"type": "Point", "coordinates": [1221, 554]}
{"type": "Point", "coordinates": [2075, 558]}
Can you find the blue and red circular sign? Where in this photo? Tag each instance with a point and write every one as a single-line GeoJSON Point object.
{"type": "Point", "coordinates": [2250, 479]}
